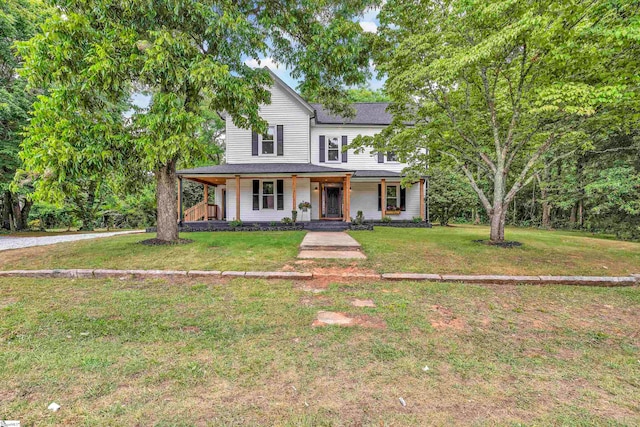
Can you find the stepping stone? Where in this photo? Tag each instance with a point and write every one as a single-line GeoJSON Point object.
{"type": "Point", "coordinates": [330, 245]}
{"type": "Point", "coordinates": [363, 303]}
{"type": "Point", "coordinates": [332, 318]}
{"type": "Point", "coordinates": [331, 254]}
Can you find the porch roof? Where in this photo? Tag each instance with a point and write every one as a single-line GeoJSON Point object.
{"type": "Point", "coordinates": [268, 168]}
{"type": "Point", "coordinates": [284, 168]}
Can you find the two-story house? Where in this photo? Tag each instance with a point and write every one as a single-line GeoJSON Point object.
{"type": "Point", "coordinates": [301, 159]}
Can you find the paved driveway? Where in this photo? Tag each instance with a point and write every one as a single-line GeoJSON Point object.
{"type": "Point", "coordinates": [9, 242]}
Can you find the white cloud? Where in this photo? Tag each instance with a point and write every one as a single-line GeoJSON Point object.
{"type": "Point", "coordinates": [259, 63]}
{"type": "Point", "coordinates": [369, 26]}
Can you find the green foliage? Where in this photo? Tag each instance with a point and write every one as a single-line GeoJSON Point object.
{"type": "Point", "coordinates": [386, 219]}
{"type": "Point", "coordinates": [190, 57]}
{"type": "Point", "coordinates": [294, 216]}
{"type": "Point", "coordinates": [416, 219]}
{"type": "Point", "coordinates": [449, 195]}
{"type": "Point", "coordinates": [495, 86]}
{"type": "Point", "coordinates": [236, 223]}
{"type": "Point", "coordinates": [359, 218]}
{"type": "Point", "coordinates": [286, 220]}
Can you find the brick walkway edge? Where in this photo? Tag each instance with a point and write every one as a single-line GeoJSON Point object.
{"type": "Point", "coordinates": [630, 280]}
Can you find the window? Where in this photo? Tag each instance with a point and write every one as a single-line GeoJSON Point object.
{"type": "Point", "coordinates": [268, 141]}
{"type": "Point", "coordinates": [392, 197]}
{"type": "Point", "coordinates": [333, 149]}
{"type": "Point", "coordinates": [391, 156]}
{"type": "Point", "coordinates": [267, 195]}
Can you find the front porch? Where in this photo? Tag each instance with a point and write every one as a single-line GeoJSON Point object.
{"type": "Point", "coordinates": [333, 195]}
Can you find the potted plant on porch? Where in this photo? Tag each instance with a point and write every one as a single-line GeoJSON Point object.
{"type": "Point", "coordinates": [304, 206]}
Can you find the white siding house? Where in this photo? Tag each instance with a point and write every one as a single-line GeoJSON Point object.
{"type": "Point", "coordinates": [301, 159]}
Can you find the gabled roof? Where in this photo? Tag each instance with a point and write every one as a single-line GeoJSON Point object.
{"type": "Point", "coordinates": [277, 80]}
{"type": "Point", "coordinates": [367, 113]}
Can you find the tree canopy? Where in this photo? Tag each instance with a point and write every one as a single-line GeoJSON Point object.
{"type": "Point", "coordinates": [191, 57]}
{"type": "Point", "coordinates": [504, 87]}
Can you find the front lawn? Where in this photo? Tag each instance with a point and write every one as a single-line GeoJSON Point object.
{"type": "Point", "coordinates": [453, 250]}
{"type": "Point", "coordinates": [244, 353]}
{"type": "Point", "coordinates": [209, 251]}
{"type": "Point", "coordinates": [438, 250]}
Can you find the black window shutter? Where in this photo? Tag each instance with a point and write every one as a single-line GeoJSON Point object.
{"type": "Point", "coordinates": [254, 143]}
{"type": "Point", "coordinates": [403, 199]}
{"type": "Point", "coordinates": [280, 137]}
{"type": "Point", "coordinates": [321, 148]}
{"type": "Point", "coordinates": [380, 157]}
{"type": "Point", "coordinates": [256, 195]}
{"type": "Point", "coordinates": [280, 194]}
{"type": "Point", "coordinates": [344, 144]}
{"type": "Point", "coordinates": [379, 197]}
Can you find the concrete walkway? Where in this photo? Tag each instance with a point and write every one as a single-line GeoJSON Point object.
{"type": "Point", "coordinates": [318, 244]}
{"type": "Point", "coordinates": [10, 242]}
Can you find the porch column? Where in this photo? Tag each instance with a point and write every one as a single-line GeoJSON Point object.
{"type": "Point", "coordinates": [205, 198]}
{"type": "Point", "coordinates": [347, 198]}
{"type": "Point", "coordinates": [383, 197]}
{"type": "Point", "coordinates": [237, 197]}
{"type": "Point", "coordinates": [180, 213]}
{"type": "Point", "coordinates": [293, 192]}
{"type": "Point", "coordinates": [422, 215]}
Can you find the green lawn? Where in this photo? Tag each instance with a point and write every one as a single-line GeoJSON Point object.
{"type": "Point", "coordinates": [437, 250]}
{"type": "Point", "coordinates": [243, 352]}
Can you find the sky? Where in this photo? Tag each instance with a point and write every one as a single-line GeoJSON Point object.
{"type": "Point", "coordinates": [369, 22]}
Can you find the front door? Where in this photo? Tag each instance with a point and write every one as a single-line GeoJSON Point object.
{"type": "Point", "coordinates": [334, 207]}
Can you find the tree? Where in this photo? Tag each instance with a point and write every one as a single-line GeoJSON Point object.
{"type": "Point", "coordinates": [449, 195]}
{"type": "Point", "coordinates": [496, 86]}
{"type": "Point", "coordinates": [18, 21]}
{"type": "Point", "coordinates": [190, 55]}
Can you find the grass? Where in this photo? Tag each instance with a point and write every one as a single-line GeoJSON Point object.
{"type": "Point", "coordinates": [437, 250]}
{"type": "Point", "coordinates": [209, 251]}
{"type": "Point", "coordinates": [243, 353]}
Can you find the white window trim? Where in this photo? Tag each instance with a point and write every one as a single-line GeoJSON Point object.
{"type": "Point", "coordinates": [326, 149]}
{"type": "Point", "coordinates": [275, 201]}
{"type": "Point", "coordinates": [275, 143]}
{"type": "Point", "coordinates": [397, 187]}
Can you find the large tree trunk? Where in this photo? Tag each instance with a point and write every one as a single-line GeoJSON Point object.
{"type": "Point", "coordinates": [24, 215]}
{"type": "Point", "coordinates": [166, 201]}
{"type": "Point", "coordinates": [497, 224]}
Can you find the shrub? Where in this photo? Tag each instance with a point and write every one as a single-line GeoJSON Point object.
{"type": "Point", "coordinates": [416, 219]}
{"type": "Point", "coordinates": [273, 223]}
{"type": "Point", "coordinates": [359, 218]}
{"type": "Point", "coordinates": [286, 220]}
{"type": "Point", "coordinates": [236, 223]}
{"type": "Point", "coordinates": [35, 224]}
{"type": "Point", "coordinates": [304, 205]}
{"type": "Point", "coordinates": [386, 219]}
{"type": "Point", "coordinates": [294, 216]}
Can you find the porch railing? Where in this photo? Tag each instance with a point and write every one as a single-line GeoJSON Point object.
{"type": "Point", "coordinates": [201, 212]}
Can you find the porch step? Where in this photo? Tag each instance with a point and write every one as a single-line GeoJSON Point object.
{"type": "Point", "coordinates": [329, 245]}
{"type": "Point", "coordinates": [326, 226]}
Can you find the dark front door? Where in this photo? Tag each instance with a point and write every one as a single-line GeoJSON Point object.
{"type": "Point", "coordinates": [333, 203]}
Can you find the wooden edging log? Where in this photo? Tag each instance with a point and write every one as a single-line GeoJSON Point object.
{"type": "Point", "coordinates": [630, 280]}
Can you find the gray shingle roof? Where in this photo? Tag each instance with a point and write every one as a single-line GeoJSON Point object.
{"type": "Point", "coordinates": [261, 168]}
{"type": "Point", "coordinates": [279, 168]}
{"type": "Point", "coordinates": [367, 113]}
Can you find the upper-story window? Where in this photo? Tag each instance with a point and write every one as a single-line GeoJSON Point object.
{"type": "Point", "coordinates": [268, 141]}
{"type": "Point", "coordinates": [392, 156]}
{"type": "Point", "coordinates": [333, 149]}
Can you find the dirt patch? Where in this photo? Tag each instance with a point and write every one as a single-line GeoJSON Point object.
{"type": "Point", "coordinates": [327, 318]}
{"type": "Point", "coordinates": [505, 244]}
{"type": "Point", "coordinates": [316, 301]}
{"type": "Point", "coordinates": [447, 320]}
{"type": "Point", "coordinates": [160, 242]}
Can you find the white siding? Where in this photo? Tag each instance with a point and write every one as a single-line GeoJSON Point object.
{"type": "Point", "coordinates": [363, 161]}
{"type": "Point", "coordinates": [364, 197]}
{"type": "Point", "coordinates": [283, 110]}
{"type": "Point", "coordinates": [248, 215]}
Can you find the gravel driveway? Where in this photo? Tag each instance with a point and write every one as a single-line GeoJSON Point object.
{"type": "Point", "coordinates": [9, 242]}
